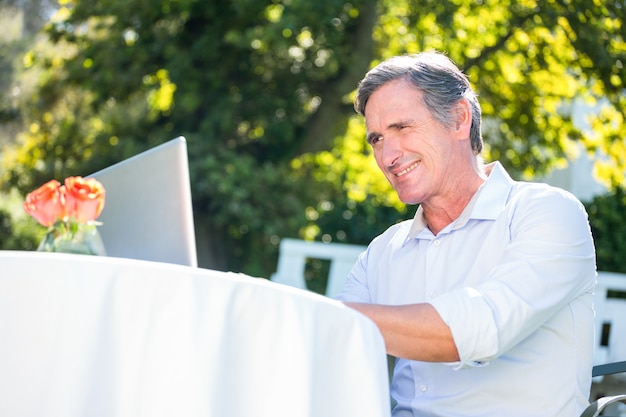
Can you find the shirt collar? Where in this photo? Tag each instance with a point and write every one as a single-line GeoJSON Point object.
{"type": "Point", "coordinates": [486, 204]}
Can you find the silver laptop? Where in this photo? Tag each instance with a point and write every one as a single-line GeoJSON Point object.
{"type": "Point", "coordinates": [148, 213]}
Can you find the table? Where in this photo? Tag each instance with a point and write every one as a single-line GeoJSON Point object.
{"type": "Point", "coordinates": [99, 336]}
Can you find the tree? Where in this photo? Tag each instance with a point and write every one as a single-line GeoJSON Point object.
{"type": "Point", "coordinates": [262, 91]}
{"type": "Point", "coordinates": [241, 81]}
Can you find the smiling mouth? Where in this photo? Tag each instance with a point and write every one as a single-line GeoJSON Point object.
{"type": "Point", "coordinates": [407, 170]}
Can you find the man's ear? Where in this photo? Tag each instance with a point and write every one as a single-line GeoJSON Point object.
{"type": "Point", "coordinates": [463, 118]}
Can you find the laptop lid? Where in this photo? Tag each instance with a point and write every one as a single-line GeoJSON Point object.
{"type": "Point", "coordinates": [148, 213]}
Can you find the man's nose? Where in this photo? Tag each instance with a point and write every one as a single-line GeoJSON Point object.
{"type": "Point", "coordinates": [390, 152]}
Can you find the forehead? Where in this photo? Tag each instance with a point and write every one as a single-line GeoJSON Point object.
{"type": "Point", "coordinates": [397, 99]}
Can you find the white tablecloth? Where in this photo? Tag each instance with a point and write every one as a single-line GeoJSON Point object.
{"type": "Point", "coordinates": [95, 336]}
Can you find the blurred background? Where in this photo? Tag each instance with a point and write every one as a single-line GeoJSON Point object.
{"type": "Point", "coordinates": [262, 90]}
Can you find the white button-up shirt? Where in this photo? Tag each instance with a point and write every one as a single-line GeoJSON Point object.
{"type": "Point", "coordinates": [513, 278]}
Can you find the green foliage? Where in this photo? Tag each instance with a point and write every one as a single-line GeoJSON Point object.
{"type": "Point", "coordinates": [262, 91]}
{"type": "Point", "coordinates": [17, 230]}
{"type": "Point", "coordinates": [242, 81]}
{"type": "Point", "coordinates": [606, 214]}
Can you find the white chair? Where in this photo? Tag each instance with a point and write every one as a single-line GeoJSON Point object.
{"type": "Point", "coordinates": [610, 343]}
{"type": "Point", "coordinates": [610, 306]}
{"type": "Point", "coordinates": [293, 256]}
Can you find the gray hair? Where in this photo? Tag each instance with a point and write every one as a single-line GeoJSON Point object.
{"type": "Point", "coordinates": [441, 82]}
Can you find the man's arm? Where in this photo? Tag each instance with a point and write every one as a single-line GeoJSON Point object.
{"type": "Point", "coordinates": [414, 331]}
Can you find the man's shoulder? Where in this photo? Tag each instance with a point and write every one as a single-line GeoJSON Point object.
{"type": "Point", "coordinates": [540, 190]}
{"type": "Point", "coordinates": [520, 191]}
{"type": "Point", "coordinates": [540, 200]}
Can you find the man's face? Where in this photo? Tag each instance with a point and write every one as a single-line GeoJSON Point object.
{"type": "Point", "coordinates": [414, 151]}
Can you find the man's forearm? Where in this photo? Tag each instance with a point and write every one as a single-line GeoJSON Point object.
{"type": "Point", "coordinates": [414, 331]}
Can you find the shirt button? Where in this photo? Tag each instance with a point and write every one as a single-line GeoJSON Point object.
{"type": "Point", "coordinates": [423, 388]}
{"type": "Point", "coordinates": [436, 243]}
{"type": "Point", "coordinates": [433, 294]}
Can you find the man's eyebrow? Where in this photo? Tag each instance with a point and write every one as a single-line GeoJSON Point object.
{"type": "Point", "coordinates": [401, 123]}
{"type": "Point", "coordinates": [395, 125]}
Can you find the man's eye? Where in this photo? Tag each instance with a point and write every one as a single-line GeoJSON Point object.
{"type": "Point", "coordinates": [375, 139]}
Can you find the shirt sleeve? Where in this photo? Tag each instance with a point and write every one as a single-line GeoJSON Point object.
{"type": "Point", "coordinates": [355, 288]}
{"type": "Point", "coordinates": [548, 262]}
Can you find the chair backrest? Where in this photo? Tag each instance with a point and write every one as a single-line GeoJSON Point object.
{"type": "Point", "coordinates": [293, 256]}
{"type": "Point", "coordinates": [610, 306]}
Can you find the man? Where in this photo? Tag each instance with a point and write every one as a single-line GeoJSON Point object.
{"type": "Point", "coordinates": [485, 297]}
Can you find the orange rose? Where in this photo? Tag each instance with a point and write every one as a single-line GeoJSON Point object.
{"type": "Point", "coordinates": [84, 198]}
{"type": "Point", "coordinates": [46, 204]}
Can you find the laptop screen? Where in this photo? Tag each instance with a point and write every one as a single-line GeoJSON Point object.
{"type": "Point", "coordinates": [148, 213]}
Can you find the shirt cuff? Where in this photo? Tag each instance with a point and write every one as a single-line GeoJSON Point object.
{"type": "Point", "coordinates": [471, 322]}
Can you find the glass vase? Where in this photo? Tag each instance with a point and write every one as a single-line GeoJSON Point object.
{"type": "Point", "coordinates": [82, 238]}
